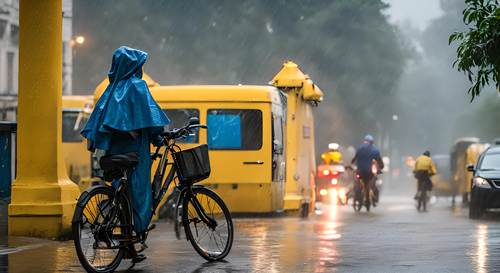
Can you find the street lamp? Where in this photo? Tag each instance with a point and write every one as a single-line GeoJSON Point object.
{"type": "Point", "coordinates": [77, 40]}
{"type": "Point", "coordinates": [80, 40]}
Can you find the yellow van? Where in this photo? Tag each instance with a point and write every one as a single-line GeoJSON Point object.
{"type": "Point", "coordinates": [303, 95]}
{"type": "Point", "coordinates": [472, 155]}
{"type": "Point", "coordinates": [244, 123]}
{"type": "Point", "coordinates": [261, 138]}
{"type": "Point", "coordinates": [76, 110]}
{"type": "Point", "coordinates": [458, 166]}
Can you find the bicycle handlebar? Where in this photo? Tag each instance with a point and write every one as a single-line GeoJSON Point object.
{"type": "Point", "coordinates": [181, 132]}
{"type": "Point", "coordinates": [175, 134]}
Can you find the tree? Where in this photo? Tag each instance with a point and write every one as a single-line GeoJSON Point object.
{"type": "Point", "coordinates": [478, 54]}
{"type": "Point", "coordinates": [347, 46]}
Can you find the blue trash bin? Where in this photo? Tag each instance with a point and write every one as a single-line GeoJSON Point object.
{"type": "Point", "coordinates": [7, 173]}
{"type": "Point", "coordinates": [7, 157]}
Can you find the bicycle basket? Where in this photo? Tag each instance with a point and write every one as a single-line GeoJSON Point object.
{"type": "Point", "coordinates": [192, 164]}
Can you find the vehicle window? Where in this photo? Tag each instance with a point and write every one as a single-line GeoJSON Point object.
{"type": "Point", "coordinates": [72, 124]}
{"type": "Point", "coordinates": [490, 162]}
{"type": "Point", "coordinates": [234, 129]}
{"type": "Point", "coordinates": [278, 134]}
{"type": "Point", "coordinates": [179, 118]}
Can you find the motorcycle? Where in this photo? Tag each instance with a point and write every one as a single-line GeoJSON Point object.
{"type": "Point", "coordinates": [331, 184]}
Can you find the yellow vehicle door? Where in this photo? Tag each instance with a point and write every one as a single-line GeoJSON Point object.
{"type": "Point", "coordinates": [235, 138]}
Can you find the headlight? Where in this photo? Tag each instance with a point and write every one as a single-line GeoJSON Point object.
{"type": "Point", "coordinates": [481, 183]}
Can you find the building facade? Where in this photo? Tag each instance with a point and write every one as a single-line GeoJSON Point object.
{"type": "Point", "coordinates": [9, 54]}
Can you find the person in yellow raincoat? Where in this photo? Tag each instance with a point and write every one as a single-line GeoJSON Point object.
{"type": "Point", "coordinates": [423, 170]}
{"type": "Point", "coordinates": [333, 155]}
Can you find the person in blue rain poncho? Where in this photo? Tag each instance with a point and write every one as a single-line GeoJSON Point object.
{"type": "Point", "coordinates": [126, 119]}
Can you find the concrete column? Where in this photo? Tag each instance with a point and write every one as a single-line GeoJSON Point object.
{"type": "Point", "coordinates": [43, 198]}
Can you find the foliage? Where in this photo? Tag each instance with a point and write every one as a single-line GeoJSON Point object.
{"type": "Point", "coordinates": [347, 46]}
{"type": "Point", "coordinates": [478, 54]}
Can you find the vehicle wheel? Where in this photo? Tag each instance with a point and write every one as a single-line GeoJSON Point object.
{"type": "Point", "coordinates": [167, 210]}
{"type": "Point", "coordinates": [465, 198]}
{"type": "Point", "coordinates": [475, 210]}
{"type": "Point", "coordinates": [212, 243]}
{"type": "Point", "coordinates": [92, 240]}
{"type": "Point", "coordinates": [304, 210]}
{"type": "Point", "coordinates": [178, 218]}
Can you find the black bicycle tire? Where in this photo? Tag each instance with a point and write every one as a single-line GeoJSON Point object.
{"type": "Point", "coordinates": [424, 200]}
{"type": "Point", "coordinates": [227, 215]}
{"type": "Point", "coordinates": [76, 227]}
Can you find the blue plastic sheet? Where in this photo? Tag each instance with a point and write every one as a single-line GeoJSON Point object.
{"type": "Point", "coordinates": [224, 131]}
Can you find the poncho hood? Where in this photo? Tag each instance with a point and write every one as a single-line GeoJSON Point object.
{"type": "Point", "coordinates": [126, 62]}
{"type": "Point", "coordinates": [126, 104]}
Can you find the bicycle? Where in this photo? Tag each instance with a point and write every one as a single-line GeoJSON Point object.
{"type": "Point", "coordinates": [422, 197]}
{"type": "Point", "coordinates": [363, 194]}
{"type": "Point", "coordinates": [102, 224]}
{"type": "Point", "coordinates": [422, 200]}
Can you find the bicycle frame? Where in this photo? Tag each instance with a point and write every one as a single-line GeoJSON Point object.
{"type": "Point", "coordinates": [185, 189]}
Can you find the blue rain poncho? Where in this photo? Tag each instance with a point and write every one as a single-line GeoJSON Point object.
{"type": "Point", "coordinates": [125, 119]}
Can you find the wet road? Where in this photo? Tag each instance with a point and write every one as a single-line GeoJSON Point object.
{"type": "Point", "coordinates": [394, 237]}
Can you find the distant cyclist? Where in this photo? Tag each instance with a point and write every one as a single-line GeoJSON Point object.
{"type": "Point", "coordinates": [365, 156]}
{"type": "Point", "coordinates": [423, 170]}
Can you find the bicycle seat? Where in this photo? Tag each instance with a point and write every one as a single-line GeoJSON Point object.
{"type": "Point", "coordinates": [114, 165]}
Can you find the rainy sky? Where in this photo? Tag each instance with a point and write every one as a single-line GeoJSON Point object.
{"type": "Point", "coordinates": [418, 13]}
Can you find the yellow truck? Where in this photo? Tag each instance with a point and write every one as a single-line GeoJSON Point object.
{"type": "Point", "coordinates": [261, 138]}
{"type": "Point", "coordinates": [303, 94]}
{"type": "Point", "coordinates": [464, 152]}
{"type": "Point", "coordinates": [76, 110]}
{"type": "Point", "coordinates": [442, 181]}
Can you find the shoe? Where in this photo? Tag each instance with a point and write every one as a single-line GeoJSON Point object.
{"type": "Point", "coordinates": [142, 247]}
{"type": "Point", "coordinates": [138, 258]}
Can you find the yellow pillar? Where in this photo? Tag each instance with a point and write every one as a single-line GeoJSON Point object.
{"type": "Point", "coordinates": [43, 198]}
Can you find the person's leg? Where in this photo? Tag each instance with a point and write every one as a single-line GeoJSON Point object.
{"type": "Point", "coordinates": [372, 184]}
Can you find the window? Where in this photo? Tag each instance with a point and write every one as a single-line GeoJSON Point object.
{"type": "Point", "coordinates": [491, 161]}
{"type": "Point", "coordinates": [14, 34]}
{"type": "Point", "coordinates": [179, 118]}
{"type": "Point", "coordinates": [234, 129]}
{"type": "Point", "coordinates": [277, 135]}
{"type": "Point", "coordinates": [10, 73]}
{"type": "Point", "coordinates": [3, 26]}
{"type": "Point", "coordinates": [73, 122]}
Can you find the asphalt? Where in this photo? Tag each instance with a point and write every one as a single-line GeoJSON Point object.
{"type": "Point", "coordinates": [393, 237]}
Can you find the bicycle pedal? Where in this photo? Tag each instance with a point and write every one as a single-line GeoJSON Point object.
{"type": "Point", "coordinates": [142, 247]}
{"type": "Point", "coordinates": [151, 227]}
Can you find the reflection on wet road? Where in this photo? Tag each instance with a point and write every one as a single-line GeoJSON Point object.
{"type": "Point", "coordinates": [394, 237]}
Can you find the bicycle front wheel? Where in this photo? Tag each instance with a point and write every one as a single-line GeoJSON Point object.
{"type": "Point", "coordinates": [212, 239]}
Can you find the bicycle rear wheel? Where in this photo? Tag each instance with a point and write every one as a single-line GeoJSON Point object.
{"type": "Point", "coordinates": [212, 242]}
{"type": "Point", "coordinates": [96, 243]}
